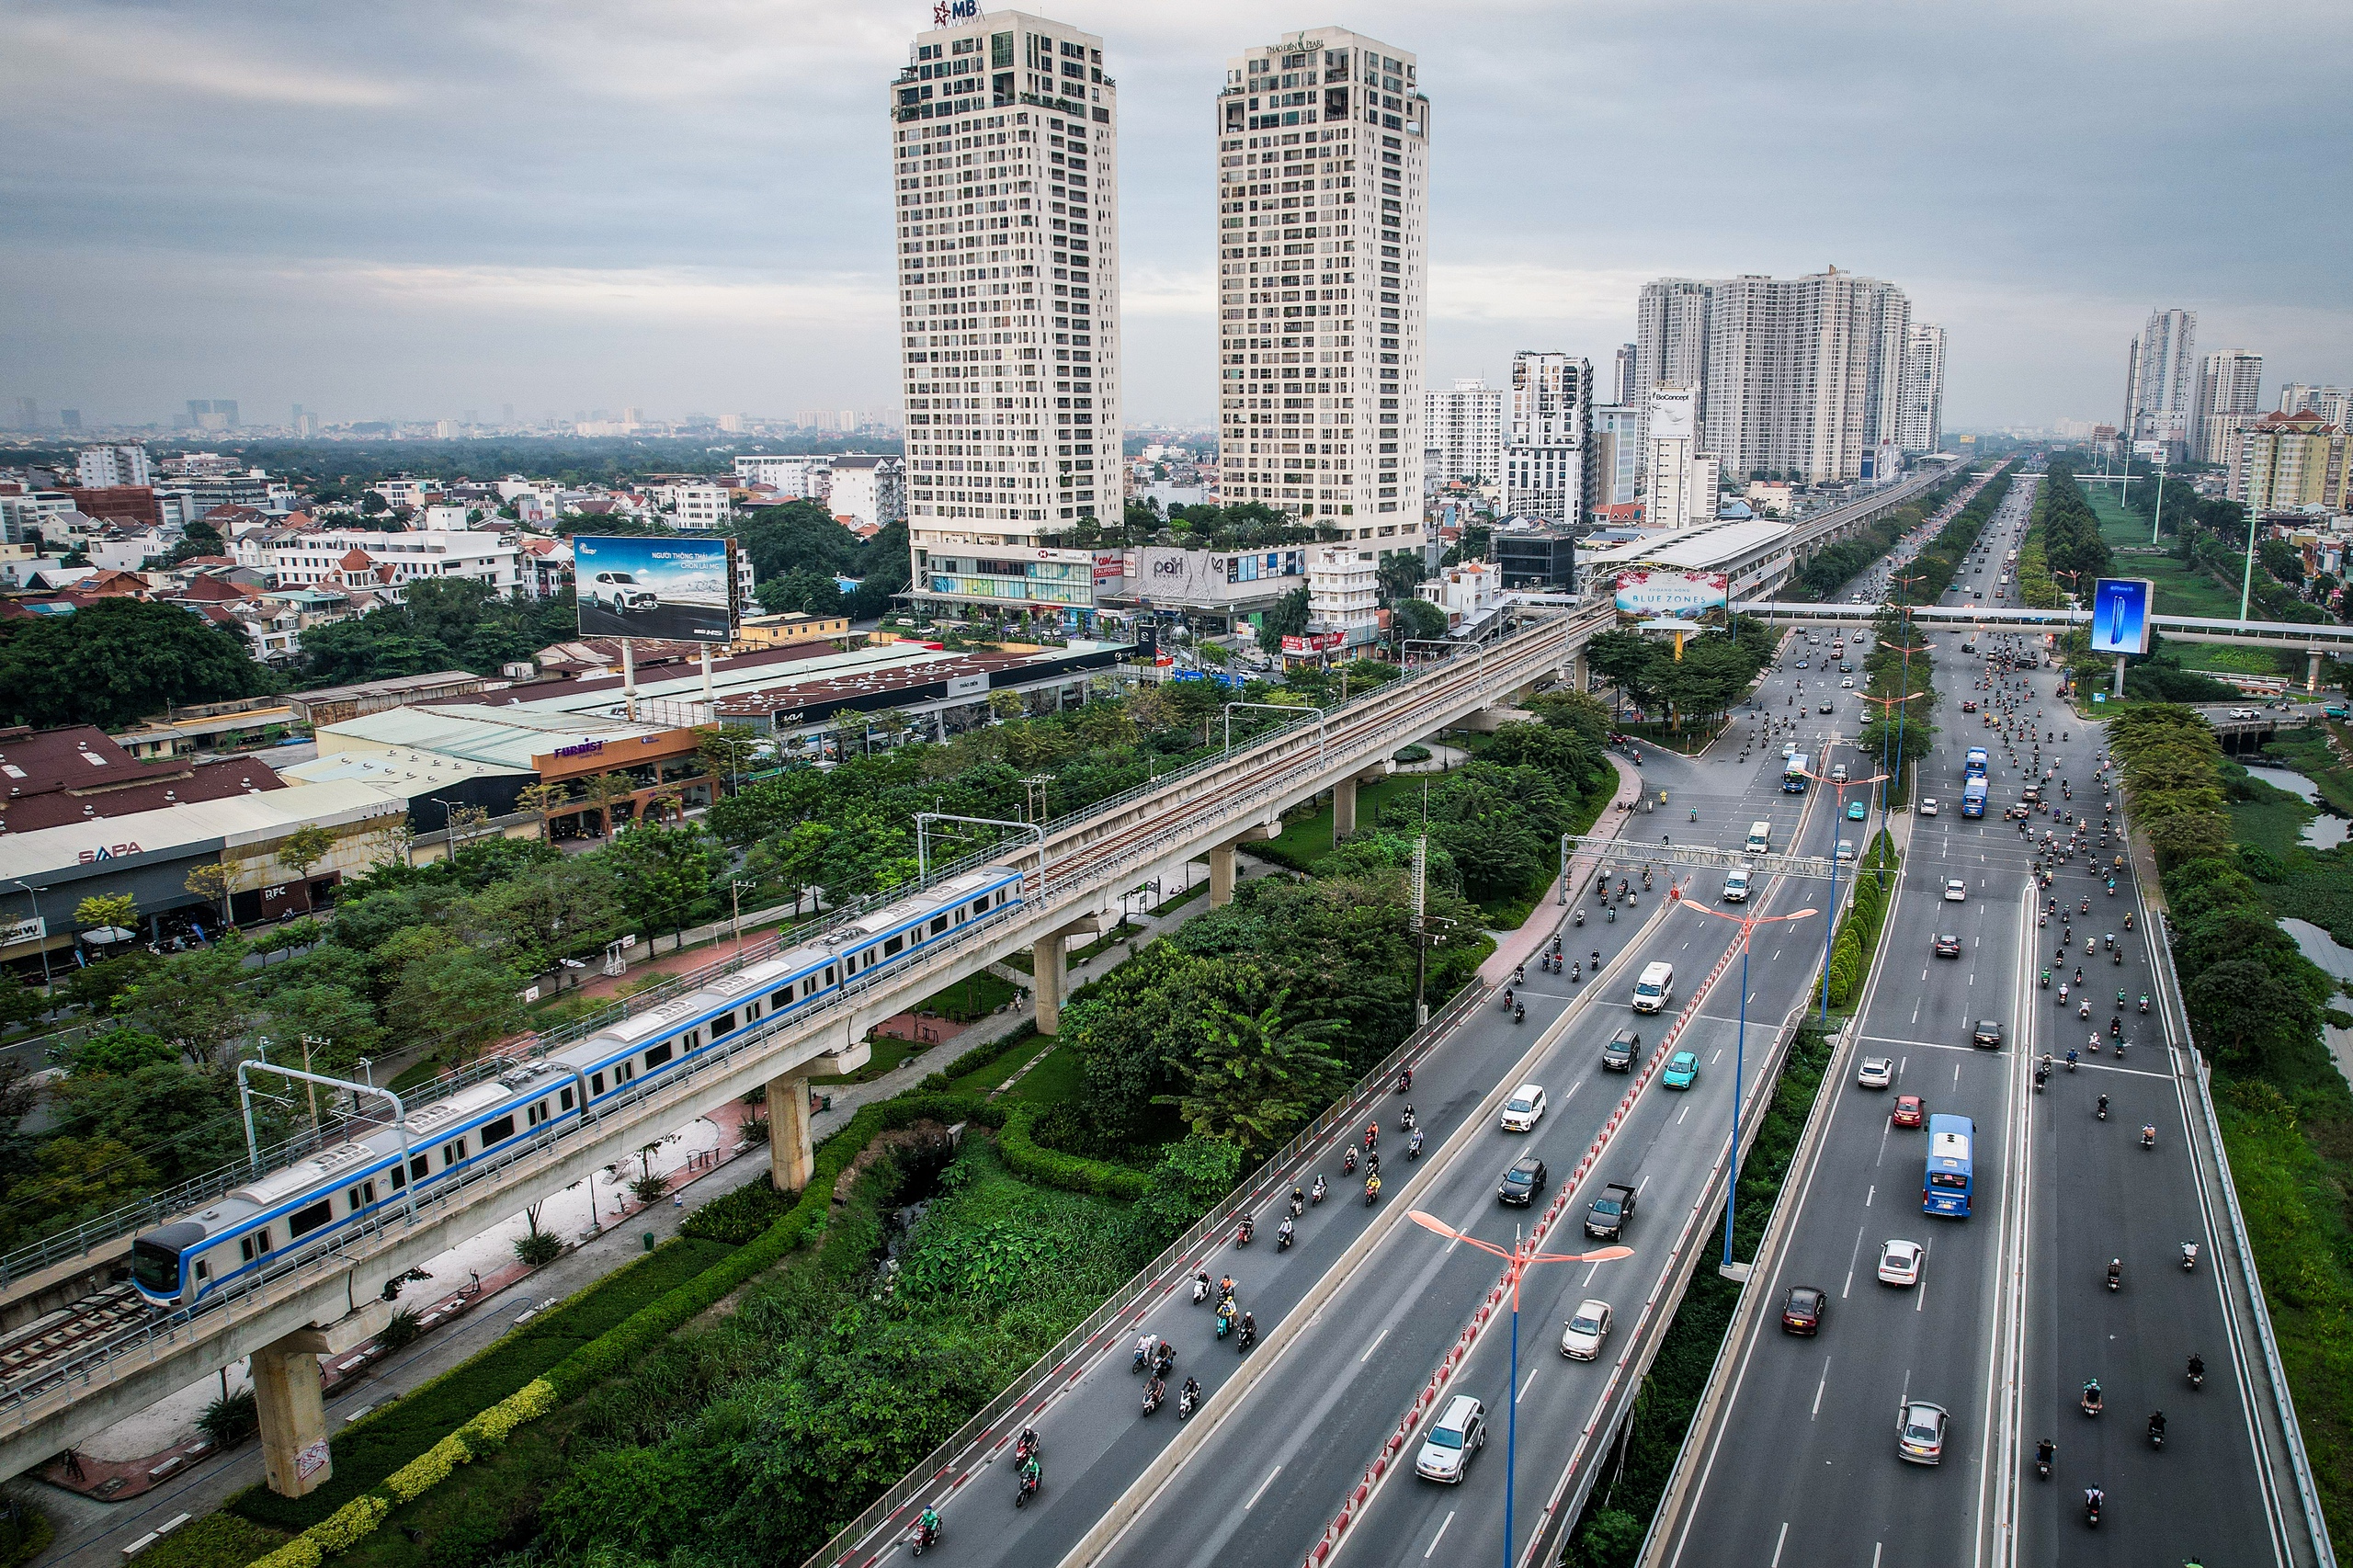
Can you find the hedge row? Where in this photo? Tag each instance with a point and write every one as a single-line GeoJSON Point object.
{"type": "Point", "coordinates": [1052, 1167]}
{"type": "Point", "coordinates": [362, 1505]}
{"type": "Point", "coordinates": [371, 1450]}
{"type": "Point", "coordinates": [1858, 932]}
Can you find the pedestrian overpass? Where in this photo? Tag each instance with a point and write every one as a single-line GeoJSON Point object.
{"type": "Point", "coordinates": [2314, 640]}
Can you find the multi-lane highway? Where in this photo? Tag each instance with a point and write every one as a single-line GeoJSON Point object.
{"type": "Point", "coordinates": [2012, 1312]}
{"type": "Point", "coordinates": [1362, 1312]}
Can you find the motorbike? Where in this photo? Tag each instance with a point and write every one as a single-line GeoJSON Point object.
{"type": "Point", "coordinates": [2156, 1433]}
{"type": "Point", "coordinates": [2042, 1456]}
{"type": "Point", "coordinates": [2148, 1137]}
{"type": "Point", "coordinates": [1297, 1203]}
{"type": "Point", "coordinates": [1224, 1323]}
{"type": "Point", "coordinates": [1283, 1235]}
{"type": "Point", "coordinates": [2144, 1004]}
{"type": "Point", "coordinates": [1187, 1402]}
{"type": "Point", "coordinates": [1371, 1190]}
{"type": "Point", "coordinates": [1249, 1337]}
{"type": "Point", "coordinates": [2091, 1401]}
{"type": "Point", "coordinates": [1612, 913]}
{"type": "Point", "coordinates": [1414, 1145]}
{"type": "Point", "coordinates": [2197, 1372]}
{"type": "Point", "coordinates": [1580, 914]}
{"type": "Point", "coordinates": [1348, 1160]}
{"type": "Point", "coordinates": [2188, 1257]}
{"type": "Point", "coordinates": [2115, 1275]}
{"type": "Point", "coordinates": [2046, 980]}
{"type": "Point", "coordinates": [2091, 1511]}
{"type": "Point", "coordinates": [1404, 1079]}
{"type": "Point", "coordinates": [2071, 1062]}
{"type": "Point", "coordinates": [926, 1535]}
{"type": "Point", "coordinates": [2086, 1010]}
{"type": "Point", "coordinates": [1200, 1289]}
{"type": "Point", "coordinates": [1142, 1359]}
{"type": "Point", "coordinates": [2102, 1111]}
{"type": "Point", "coordinates": [1029, 1480]}
{"type": "Point", "coordinates": [1244, 1232]}
{"type": "Point", "coordinates": [1153, 1395]}
{"type": "Point", "coordinates": [1520, 1013]}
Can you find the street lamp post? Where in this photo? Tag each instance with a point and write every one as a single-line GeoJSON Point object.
{"type": "Point", "coordinates": [1748, 924]}
{"type": "Point", "coordinates": [1520, 1256]}
{"type": "Point", "coordinates": [34, 894]}
{"type": "Point", "coordinates": [1903, 705]}
{"type": "Point", "coordinates": [1830, 931]}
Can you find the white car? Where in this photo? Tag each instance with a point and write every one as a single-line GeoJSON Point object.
{"type": "Point", "coordinates": [2245, 713]}
{"type": "Point", "coordinates": [1522, 1111]}
{"type": "Point", "coordinates": [1789, 750]}
{"type": "Point", "coordinates": [1956, 890]}
{"type": "Point", "coordinates": [622, 593]}
{"type": "Point", "coordinates": [1847, 684]}
{"type": "Point", "coordinates": [1588, 1327]}
{"type": "Point", "coordinates": [1876, 1073]}
{"type": "Point", "coordinates": [1459, 1431]}
{"type": "Point", "coordinates": [1846, 849]}
{"type": "Point", "coordinates": [1900, 1261]}
{"type": "Point", "coordinates": [1929, 807]}
{"type": "Point", "coordinates": [1736, 888]}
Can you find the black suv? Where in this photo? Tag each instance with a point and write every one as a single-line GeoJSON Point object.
{"type": "Point", "coordinates": [1522, 1182]}
{"type": "Point", "coordinates": [1619, 1055]}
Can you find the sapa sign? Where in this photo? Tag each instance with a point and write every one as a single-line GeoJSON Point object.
{"type": "Point", "coordinates": [1686, 594]}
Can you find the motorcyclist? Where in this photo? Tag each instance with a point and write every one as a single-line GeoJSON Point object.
{"type": "Point", "coordinates": [1225, 1287]}
{"type": "Point", "coordinates": [1371, 1187]}
{"type": "Point", "coordinates": [1033, 1475]}
{"type": "Point", "coordinates": [2197, 1368]}
{"type": "Point", "coordinates": [2094, 1499]}
{"type": "Point", "coordinates": [2148, 1136]}
{"type": "Point", "coordinates": [2157, 1423]}
{"type": "Point", "coordinates": [1315, 1193]}
{"type": "Point", "coordinates": [1144, 1353]}
{"type": "Point", "coordinates": [927, 1525]}
{"type": "Point", "coordinates": [1154, 1392]}
{"type": "Point", "coordinates": [2092, 1399]}
{"type": "Point", "coordinates": [1249, 1331]}
{"type": "Point", "coordinates": [1190, 1396]}
{"type": "Point", "coordinates": [2044, 1452]}
{"type": "Point", "coordinates": [2103, 1107]}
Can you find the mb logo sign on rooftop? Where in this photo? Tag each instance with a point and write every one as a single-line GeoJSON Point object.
{"type": "Point", "coordinates": [948, 11]}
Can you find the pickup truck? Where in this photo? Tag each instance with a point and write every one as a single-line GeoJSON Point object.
{"type": "Point", "coordinates": [1610, 1211]}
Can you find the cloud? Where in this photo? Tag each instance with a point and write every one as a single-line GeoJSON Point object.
{"type": "Point", "coordinates": [638, 295]}
{"type": "Point", "coordinates": [48, 57]}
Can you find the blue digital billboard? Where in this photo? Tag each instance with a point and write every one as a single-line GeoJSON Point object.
{"type": "Point", "coordinates": [667, 587]}
{"type": "Point", "coordinates": [2120, 615]}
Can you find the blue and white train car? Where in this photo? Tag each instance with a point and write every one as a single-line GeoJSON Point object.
{"type": "Point", "coordinates": [246, 1232]}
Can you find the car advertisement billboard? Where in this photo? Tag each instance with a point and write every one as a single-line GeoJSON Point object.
{"type": "Point", "coordinates": [2120, 615]}
{"type": "Point", "coordinates": [669, 587]}
{"type": "Point", "coordinates": [1685, 594]}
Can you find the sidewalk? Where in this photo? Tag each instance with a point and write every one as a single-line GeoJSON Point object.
{"type": "Point", "coordinates": [1517, 947]}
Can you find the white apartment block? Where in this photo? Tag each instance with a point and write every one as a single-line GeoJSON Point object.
{"type": "Point", "coordinates": [1670, 341]}
{"type": "Point", "coordinates": [2333, 404]}
{"type": "Point", "coordinates": [2161, 378]}
{"type": "Point", "coordinates": [361, 558]}
{"type": "Point", "coordinates": [693, 503]}
{"type": "Point", "coordinates": [102, 468]}
{"type": "Point", "coordinates": [1344, 590]}
{"type": "Point", "coordinates": [1322, 172]}
{"type": "Point", "coordinates": [869, 488]}
{"type": "Point", "coordinates": [1464, 426]}
{"type": "Point", "coordinates": [805, 477]}
{"type": "Point", "coordinates": [1803, 373]}
{"type": "Point", "coordinates": [2229, 398]}
{"type": "Point", "coordinates": [1682, 480]}
{"type": "Point", "coordinates": [1546, 436]}
{"type": "Point", "coordinates": [1005, 162]}
{"type": "Point", "coordinates": [1920, 413]}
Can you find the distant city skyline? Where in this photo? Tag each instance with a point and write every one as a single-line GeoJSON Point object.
{"type": "Point", "coordinates": [368, 261]}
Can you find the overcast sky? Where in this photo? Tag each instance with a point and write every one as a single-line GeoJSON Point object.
{"type": "Point", "coordinates": [417, 208]}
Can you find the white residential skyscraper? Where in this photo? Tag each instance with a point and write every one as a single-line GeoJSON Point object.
{"type": "Point", "coordinates": [2161, 378]}
{"type": "Point", "coordinates": [1546, 436]}
{"type": "Point", "coordinates": [1802, 373]}
{"type": "Point", "coordinates": [2229, 398]}
{"type": "Point", "coordinates": [1464, 426]}
{"type": "Point", "coordinates": [1670, 341]}
{"type": "Point", "coordinates": [1005, 160]}
{"type": "Point", "coordinates": [2332, 404]}
{"type": "Point", "coordinates": [1920, 413]}
{"type": "Point", "coordinates": [1322, 171]}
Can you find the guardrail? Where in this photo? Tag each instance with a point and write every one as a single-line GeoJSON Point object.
{"type": "Point", "coordinates": [1443, 688]}
{"type": "Point", "coordinates": [1137, 1297]}
{"type": "Point", "coordinates": [2170, 995]}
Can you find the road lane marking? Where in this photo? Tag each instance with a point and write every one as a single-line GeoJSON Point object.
{"type": "Point", "coordinates": [1817, 1399]}
{"type": "Point", "coordinates": [1262, 1488]}
{"type": "Point", "coordinates": [1449, 1519]}
{"type": "Point", "coordinates": [1523, 1387]}
{"type": "Point", "coordinates": [1371, 1347]}
{"type": "Point", "coordinates": [1777, 1541]}
{"type": "Point", "coordinates": [1868, 1195]}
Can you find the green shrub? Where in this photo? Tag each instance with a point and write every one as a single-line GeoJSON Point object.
{"type": "Point", "coordinates": [402, 1328]}
{"type": "Point", "coordinates": [217, 1540]}
{"type": "Point", "coordinates": [1072, 1173]}
{"type": "Point", "coordinates": [738, 1217]}
{"type": "Point", "coordinates": [538, 1249]}
{"type": "Point", "coordinates": [231, 1419]}
{"type": "Point", "coordinates": [368, 1450]}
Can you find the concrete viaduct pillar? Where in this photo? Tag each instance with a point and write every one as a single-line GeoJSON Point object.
{"type": "Point", "coordinates": [1344, 801]}
{"type": "Point", "coordinates": [2311, 670]}
{"type": "Point", "coordinates": [792, 1155]}
{"type": "Point", "coordinates": [287, 1397]}
{"type": "Point", "coordinates": [1221, 863]}
{"type": "Point", "coordinates": [1049, 966]}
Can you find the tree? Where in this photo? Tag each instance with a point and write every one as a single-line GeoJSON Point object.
{"type": "Point", "coordinates": [542, 800]}
{"type": "Point", "coordinates": [1288, 618]}
{"type": "Point", "coordinates": [1399, 573]}
{"type": "Point", "coordinates": [454, 999]}
{"type": "Point", "coordinates": [661, 874]}
{"type": "Point", "coordinates": [116, 660]}
{"type": "Point", "coordinates": [1418, 618]}
{"type": "Point", "coordinates": [102, 910]}
{"type": "Point", "coordinates": [305, 847]}
{"type": "Point", "coordinates": [603, 792]}
{"type": "Point", "coordinates": [560, 910]}
{"type": "Point", "coordinates": [1257, 1074]}
{"type": "Point", "coordinates": [212, 881]}
{"type": "Point", "coordinates": [726, 751]}
{"type": "Point", "coordinates": [373, 504]}
{"type": "Point", "coordinates": [802, 591]}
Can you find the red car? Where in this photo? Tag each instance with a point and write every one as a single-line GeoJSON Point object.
{"type": "Point", "coordinates": [1969, 705]}
{"type": "Point", "coordinates": [1908, 1111]}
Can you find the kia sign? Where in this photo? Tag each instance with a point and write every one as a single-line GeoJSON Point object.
{"type": "Point", "coordinates": [2120, 615]}
{"type": "Point", "coordinates": [1685, 594]}
{"type": "Point", "coordinates": [645, 587]}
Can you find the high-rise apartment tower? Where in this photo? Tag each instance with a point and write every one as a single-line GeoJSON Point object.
{"type": "Point", "coordinates": [1803, 373]}
{"type": "Point", "coordinates": [1322, 206]}
{"type": "Point", "coordinates": [1547, 437]}
{"type": "Point", "coordinates": [1005, 160]}
{"type": "Point", "coordinates": [2229, 398]}
{"type": "Point", "coordinates": [1464, 431]}
{"type": "Point", "coordinates": [1920, 411]}
{"type": "Point", "coordinates": [2161, 378]}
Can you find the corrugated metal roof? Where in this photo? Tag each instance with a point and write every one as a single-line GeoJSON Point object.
{"type": "Point", "coordinates": [501, 738]}
{"type": "Point", "coordinates": [405, 773]}
{"type": "Point", "coordinates": [241, 819]}
{"type": "Point", "coordinates": [1704, 547]}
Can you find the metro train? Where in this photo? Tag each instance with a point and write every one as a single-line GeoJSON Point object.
{"type": "Point", "coordinates": [241, 1234]}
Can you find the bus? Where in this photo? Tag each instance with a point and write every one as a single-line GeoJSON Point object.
{"type": "Point", "coordinates": [1793, 773]}
{"type": "Point", "coordinates": [1972, 798]}
{"type": "Point", "coordinates": [1952, 1140]}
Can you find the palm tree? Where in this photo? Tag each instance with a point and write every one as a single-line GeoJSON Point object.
{"type": "Point", "coordinates": [1257, 1076]}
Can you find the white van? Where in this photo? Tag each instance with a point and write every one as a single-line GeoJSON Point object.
{"type": "Point", "coordinates": [1760, 837]}
{"type": "Point", "coordinates": [1736, 887]}
{"type": "Point", "coordinates": [1655, 988]}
